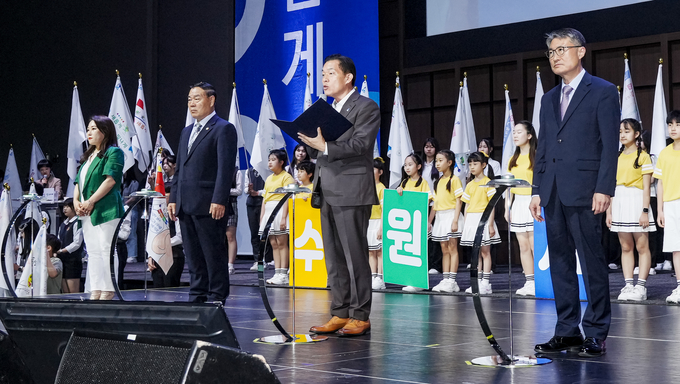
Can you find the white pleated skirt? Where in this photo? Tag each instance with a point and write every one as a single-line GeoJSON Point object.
{"type": "Point", "coordinates": [441, 230]}
{"type": "Point", "coordinates": [626, 211]}
{"type": "Point", "coordinates": [671, 238]}
{"type": "Point", "coordinates": [372, 235]}
{"type": "Point", "coordinates": [520, 215]}
{"type": "Point", "coordinates": [275, 229]}
{"type": "Point", "coordinates": [470, 229]}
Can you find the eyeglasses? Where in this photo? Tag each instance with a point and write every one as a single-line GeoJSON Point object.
{"type": "Point", "coordinates": [559, 51]}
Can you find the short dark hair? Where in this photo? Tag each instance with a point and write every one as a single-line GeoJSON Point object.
{"type": "Point", "coordinates": [69, 203]}
{"type": "Point", "coordinates": [280, 154]}
{"type": "Point", "coordinates": [345, 63]}
{"type": "Point", "coordinates": [207, 87]}
{"type": "Point", "coordinates": [44, 163]}
{"type": "Point", "coordinates": [308, 167]}
{"type": "Point", "coordinates": [575, 36]}
{"type": "Point", "coordinates": [673, 116]}
{"type": "Point", "coordinates": [171, 159]}
{"type": "Point", "coordinates": [53, 241]}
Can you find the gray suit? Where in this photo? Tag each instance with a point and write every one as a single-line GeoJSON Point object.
{"type": "Point", "coordinates": [344, 178]}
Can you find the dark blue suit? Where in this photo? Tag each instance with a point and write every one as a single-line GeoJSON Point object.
{"type": "Point", "coordinates": [203, 176]}
{"type": "Point", "coordinates": [576, 158]}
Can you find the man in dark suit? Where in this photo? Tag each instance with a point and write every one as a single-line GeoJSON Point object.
{"type": "Point", "coordinates": [575, 175]}
{"type": "Point", "coordinates": [200, 194]}
{"type": "Point", "coordinates": [344, 177]}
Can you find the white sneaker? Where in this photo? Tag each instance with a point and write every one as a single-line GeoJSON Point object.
{"type": "Point", "coordinates": [433, 271]}
{"type": "Point", "coordinates": [626, 292]}
{"type": "Point", "coordinates": [638, 293]}
{"type": "Point", "coordinates": [667, 266]}
{"type": "Point", "coordinates": [613, 266]}
{"type": "Point", "coordinates": [468, 266]}
{"type": "Point", "coordinates": [131, 260]}
{"type": "Point", "coordinates": [379, 283]}
{"type": "Point", "coordinates": [469, 289]}
{"type": "Point", "coordinates": [409, 288]}
{"type": "Point", "coordinates": [674, 297]}
{"type": "Point", "coordinates": [232, 270]}
{"type": "Point", "coordinates": [441, 287]}
{"type": "Point", "coordinates": [636, 271]}
{"type": "Point", "coordinates": [652, 271]}
{"type": "Point", "coordinates": [529, 289]}
{"type": "Point", "coordinates": [279, 279]}
{"type": "Point", "coordinates": [254, 267]}
{"type": "Point", "coordinates": [273, 278]}
{"type": "Point", "coordinates": [375, 283]}
{"type": "Point", "coordinates": [485, 287]}
{"type": "Point", "coordinates": [271, 264]}
{"type": "Point", "coordinates": [659, 266]}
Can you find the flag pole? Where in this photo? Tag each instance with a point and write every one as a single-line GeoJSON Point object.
{"type": "Point", "coordinates": [146, 166]}
{"type": "Point", "coordinates": [239, 111]}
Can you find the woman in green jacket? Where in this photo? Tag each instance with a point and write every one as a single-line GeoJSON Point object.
{"type": "Point", "coordinates": [98, 201]}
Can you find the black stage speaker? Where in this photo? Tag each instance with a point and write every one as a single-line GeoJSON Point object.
{"type": "Point", "coordinates": [95, 357]}
{"type": "Point", "coordinates": [40, 329]}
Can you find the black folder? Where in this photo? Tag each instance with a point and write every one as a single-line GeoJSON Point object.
{"type": "Point", "coordinates": [320, 114]}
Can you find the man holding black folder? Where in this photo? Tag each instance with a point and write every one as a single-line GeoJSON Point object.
{"type": "Point", "coordinates": [344, 179]}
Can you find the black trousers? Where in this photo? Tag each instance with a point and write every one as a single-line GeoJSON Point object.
{"type": "Point", "coordinates": [172, 278]}
{"type": "Point", "coordinates": [206, 255]}
{"type": "Point", "coordinates": [571, 229]}
{"type": "Point", "coordinates": [254, 224]}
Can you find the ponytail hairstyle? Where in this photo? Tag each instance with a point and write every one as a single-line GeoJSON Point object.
{"type": "Point", "coordinates": [434, 173]}
{"type": "Point", "coordinates": [418, 161]}
{"type": "Point", "coordinates": [450, 156]}
{"type": "Point", "coordinates": [479, 157]}
{"type": "Point", "coordinates": [636, 127]}
{"type": "Point", "coordinates": [533, 141]}
{"type": "Point", "coordinates": [379, 164]}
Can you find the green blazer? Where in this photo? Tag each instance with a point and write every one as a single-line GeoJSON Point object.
{"type": "Point", "coordinates": [111, 205]}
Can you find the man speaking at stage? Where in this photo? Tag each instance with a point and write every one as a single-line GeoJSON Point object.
{"type": "Point", "coordinates": [344, 179]}
{"type": "Point", "coordinates": [575, 177]}
{"type": "Point", "coordinates": [200, 195]}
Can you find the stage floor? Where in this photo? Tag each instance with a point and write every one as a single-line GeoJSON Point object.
{"type": "Point", "coordinates": [431, 338]}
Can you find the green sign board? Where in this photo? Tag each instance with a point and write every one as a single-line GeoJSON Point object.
{"type": "Point", "coordinates": [405, 238]}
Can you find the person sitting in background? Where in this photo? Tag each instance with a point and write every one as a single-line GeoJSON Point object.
{"type": "Point", "coordinates": [71, 237]}
{"type": "Point", "coordinates": [47, 178]}
{"type": "Point", "coordinates": [55, 267]}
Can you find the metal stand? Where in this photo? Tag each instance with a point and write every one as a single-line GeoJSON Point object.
{"type": "Point", "coordinates": [501, 359]}
{"type": "Point", "coordinates": [9, 275]}
{"type": "Point", "coordinates": [284, 338]}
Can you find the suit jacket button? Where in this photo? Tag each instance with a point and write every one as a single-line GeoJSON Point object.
{"type": "Point", "coordinates": [559, 140]}
{"type": "Point", "coordinates": [553, 160]}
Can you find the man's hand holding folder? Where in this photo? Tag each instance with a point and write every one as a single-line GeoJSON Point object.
{"type": "Point", "coordinates": [318, 124]}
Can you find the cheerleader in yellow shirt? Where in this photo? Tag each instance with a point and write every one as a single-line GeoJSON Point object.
{"type": "Point", "coordinates": [278, 233]}
{"type": "Point", "coordinates": [413, 166]}
{"type": "Point", "coordinates": [629, 213]}
{"type": "Point", "coordinates": [477, 198]}
{"type": "Point", "coordinates": [374, 233]}
{"type": "Point", "coordinates": [449, 222]}
{"type": "Point", "coordinates": [521, 166]}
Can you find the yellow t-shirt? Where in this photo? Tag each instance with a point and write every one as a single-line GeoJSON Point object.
{"type": "Point", "coordinates": [306, 195]}
{"type": "Point", "coordinates": [423, 187]}
{"type": "Point", "coordinates": [444, 199]}
{"type": "Point", "coordinates": [668, 171]}
{"type": "Point", "coordinates": [522, 171]}
{"type": "Point", "coordinates": [627, 174]}
{"type": "Point", "coordinates": [376, 210]}
{"type": "Point", "coordinates": [477, 197]}
{"type": "Point", "coordinates": [276, 181]}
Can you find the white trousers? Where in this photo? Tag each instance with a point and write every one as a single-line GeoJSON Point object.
{"type": "Point", "coordinates": [98, 240]}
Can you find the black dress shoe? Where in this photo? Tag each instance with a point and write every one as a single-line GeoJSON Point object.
{"type": "Point", "coordinates": [560, 343]}
{"type": "Point", "coordinates": [593, 347]}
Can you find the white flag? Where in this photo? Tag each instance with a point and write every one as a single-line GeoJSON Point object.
{"type": "Point", "coordinates": [659, 115]}
{"type": "Point", "coordinates": [161, 142]}
{"type": "Point", "coordinates": [461, 145]}
{"type": "Point", "coordinates": [308, 93]}
{"type": "Point", "coordinates": [399, 143]}
{"type": "Point", "coordinates": [35, 271]}
{"type": "Point", "coordinates": [364, 93]}
{"type": "Point", "coordinates": [267, 137]}
{"type": "Point", "coordinates": [119, 113]}
{"type": "Point", "coordinates": [629, 107]}
{"type": "Point", "coordinates": [189, 120]}
{"type": "Point", "coordinates": [235, 118]}
{"type": "Point", "coordinates": [5, 218]}
{"type": "Point", "coordinates": [508, 142]}
{"type": "Point", "coordinates": [536, 117]}
{"type": "Point", "coordinates": [36, 155]}
{"type": "Point", "coordinates": [142, 143]}
{"type": "Point", "coordinates": [77, 134]}
{"type": "Point", "coordinates": [33, 208]}
{"type": "Point", "coordinates": [158, 244]}
{"type": "Point", "coordinates": [13, 180]}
